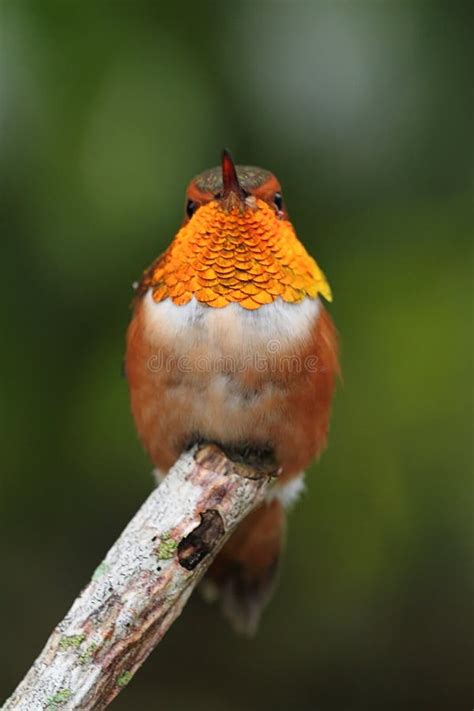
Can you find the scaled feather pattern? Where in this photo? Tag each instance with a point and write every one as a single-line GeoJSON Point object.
{"type": "Point", "coordinates": [239, 255]}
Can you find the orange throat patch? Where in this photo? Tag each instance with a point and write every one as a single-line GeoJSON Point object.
{"type": "Point", "coordinates": [245, 255]}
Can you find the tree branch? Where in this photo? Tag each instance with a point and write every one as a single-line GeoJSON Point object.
{"type": "Point", "coordinates": [142, 585]}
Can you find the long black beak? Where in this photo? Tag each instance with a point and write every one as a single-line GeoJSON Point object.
{"type": "Point", "coordinates": [230, 179]}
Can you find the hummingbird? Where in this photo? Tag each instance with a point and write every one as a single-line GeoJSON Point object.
{"type": "Point", "coordinates": [230, 343]}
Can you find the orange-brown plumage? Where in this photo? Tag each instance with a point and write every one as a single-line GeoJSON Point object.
{"type": "Point", "coordinates": [247, 257]}
{"type": "Point", "coordinates": [230, 343]}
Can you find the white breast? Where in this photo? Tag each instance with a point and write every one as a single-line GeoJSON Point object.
{"type": "Point", "coordinates": [276, 327]}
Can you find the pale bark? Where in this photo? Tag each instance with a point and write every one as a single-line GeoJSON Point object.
{"type": "Point", "coordinates": [142, 585]}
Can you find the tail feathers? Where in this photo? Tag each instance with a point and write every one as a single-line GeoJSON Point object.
{"type": "Point", "coordinates": [244, 574]}
{"type": "Point", "coordinates": [244, 597]}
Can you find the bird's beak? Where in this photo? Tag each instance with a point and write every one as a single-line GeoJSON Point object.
{"type": "Point", "coordinates": [230, 180]}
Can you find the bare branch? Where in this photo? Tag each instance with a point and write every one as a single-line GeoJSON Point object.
{"type": "Point", "coordinates": [142, 585]}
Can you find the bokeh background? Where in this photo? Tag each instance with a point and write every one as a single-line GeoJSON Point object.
{"type": "Point", "coordinates": [364, 111]}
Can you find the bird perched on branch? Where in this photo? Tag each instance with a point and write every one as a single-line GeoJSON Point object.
{"type": "Point", "coordinates": [230, 343]}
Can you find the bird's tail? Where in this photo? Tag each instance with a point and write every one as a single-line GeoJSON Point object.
{"type": "Point", "coordinates": [244, 573]}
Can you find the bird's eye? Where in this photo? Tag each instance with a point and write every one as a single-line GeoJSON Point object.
{"type": "Point", "coordinates": [278, 201]}
{"type": "Point", "coordinates": [191, 208]}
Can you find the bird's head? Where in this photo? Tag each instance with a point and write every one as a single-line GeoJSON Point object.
{"type": "Point", "coordinates": [232, 187]}
{"type": "Point", "coordinates": [236, 244]}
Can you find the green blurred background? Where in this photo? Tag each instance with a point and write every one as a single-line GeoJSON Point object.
{"type": "Point", "coordinates": [364, 111]}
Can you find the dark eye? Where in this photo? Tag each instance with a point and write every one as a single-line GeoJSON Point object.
{"type": "Point", "coordinates": [278, 201]}
{"type": "Point", "coordinates": [191, 208]}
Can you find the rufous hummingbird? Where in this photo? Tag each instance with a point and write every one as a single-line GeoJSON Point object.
{"type": "Point", "coordinates": [230, 343]}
